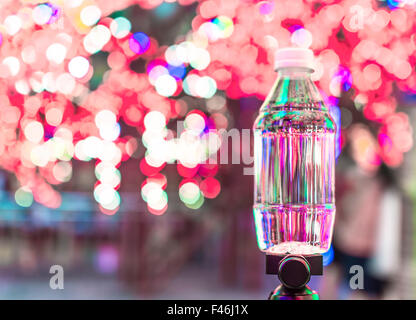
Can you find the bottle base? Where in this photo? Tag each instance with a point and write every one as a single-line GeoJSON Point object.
{"type": "Point", "coordinates": [294, 247]}
{"type": "Point", "coordinates": [297, 229]}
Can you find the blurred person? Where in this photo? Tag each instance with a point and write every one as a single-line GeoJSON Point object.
{"type": "Point", "coordinates": [367, 230]}
{"type": "Point", "coordinates": [386, 260]}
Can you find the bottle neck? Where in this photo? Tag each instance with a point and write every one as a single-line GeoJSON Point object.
{"type": "Point", "coordinates": [295, 72]}
{"type": "Point", "coordinates": [294, 90]}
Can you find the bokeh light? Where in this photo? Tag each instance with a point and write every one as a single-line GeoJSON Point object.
{"type": "Point", "coordinates": [71, 104]}
{"type": "Point", "coordinates": [23, 197]}
{"type": "Point", "coordinates": [139, 42]}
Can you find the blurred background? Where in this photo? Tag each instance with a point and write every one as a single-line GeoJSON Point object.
{"type": "Point", "coordinates": [110, 139]}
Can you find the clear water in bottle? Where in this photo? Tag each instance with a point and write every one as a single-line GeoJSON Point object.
{"type": "Point", "coordinates": [294, 161]}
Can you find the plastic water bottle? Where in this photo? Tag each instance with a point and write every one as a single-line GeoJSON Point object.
{"type": "Point", "coordinates": [294, 161]}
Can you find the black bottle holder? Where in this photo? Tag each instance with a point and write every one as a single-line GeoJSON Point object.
{"type": "Point", "coordinates": [294, 272]}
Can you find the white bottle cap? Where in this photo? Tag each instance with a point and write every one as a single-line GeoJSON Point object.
{"type": "Point", "coordinates": [294, 57]}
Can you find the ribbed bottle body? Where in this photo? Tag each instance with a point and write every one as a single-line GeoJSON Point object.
{"type": "Point", "coordinates": [294, 161]}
